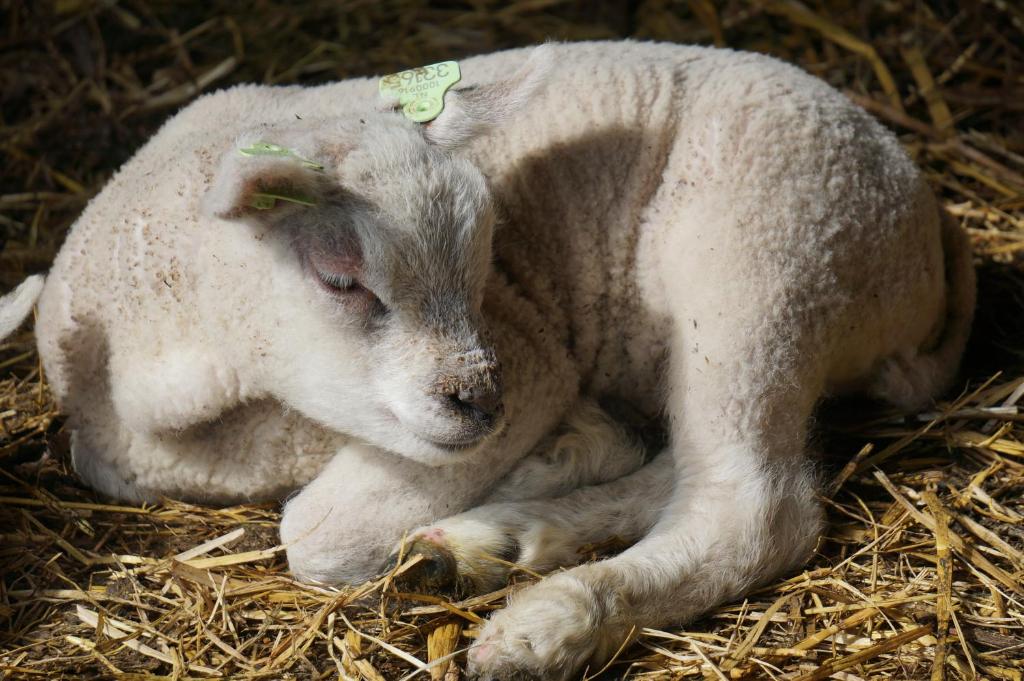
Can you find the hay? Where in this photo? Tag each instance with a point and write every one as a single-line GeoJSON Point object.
{"type": "Point", "coordinates": [920, 573]}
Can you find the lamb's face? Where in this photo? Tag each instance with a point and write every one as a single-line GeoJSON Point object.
{"type": "Point", "coordinates": [380, 268]}
{"type": "Point", "coordinates": [383, 279]}
{"type": "Point", "coordinates": [405, 257]}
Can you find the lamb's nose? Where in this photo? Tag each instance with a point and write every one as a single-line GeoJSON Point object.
{"type": "Point", "coordinates": [483, 403]}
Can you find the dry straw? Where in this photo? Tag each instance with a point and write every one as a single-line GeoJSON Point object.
{"type": "Point", "coordinates": [920, 573]}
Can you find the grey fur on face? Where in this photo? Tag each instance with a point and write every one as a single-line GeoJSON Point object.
{"type": "Point", "coordinates": [400, 235]}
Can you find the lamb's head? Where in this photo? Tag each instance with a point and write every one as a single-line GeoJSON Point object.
{"type": "Point", "coordinates": [382, 237]}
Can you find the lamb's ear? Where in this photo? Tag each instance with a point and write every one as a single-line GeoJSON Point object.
{"type": "Point", "coordinates": [261, 181]}
{"type": "Point", "coordinates": [471, 112]}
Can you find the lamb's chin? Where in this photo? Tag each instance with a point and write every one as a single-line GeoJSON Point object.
{"type": "Point", "coordinates": [431, 453]}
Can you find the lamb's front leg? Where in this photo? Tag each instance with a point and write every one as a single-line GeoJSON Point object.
{"type": "Point", "coordinates": [365, 497]}
{"type": "Point", "coordinates": [341, 527]}
{"type": "Point", "coordinates": [475, 551]}
{"type": "Point", "coordinates": [552, 503]}
{"type": "Point", "coordinates": [707, 549]}
{"type": "Point", "coordinates": [742, 511]}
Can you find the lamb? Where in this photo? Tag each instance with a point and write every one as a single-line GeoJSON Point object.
{"type": "Point", "coordinates": [417, 325]}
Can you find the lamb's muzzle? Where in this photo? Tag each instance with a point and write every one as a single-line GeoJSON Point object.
{"type": "Point", "coordinates": [474, 392]}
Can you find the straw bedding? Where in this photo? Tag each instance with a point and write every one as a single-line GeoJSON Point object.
{"type": "Point", "coordinates": [920, 573]}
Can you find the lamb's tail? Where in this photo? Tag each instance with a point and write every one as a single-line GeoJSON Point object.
{"type": "Point", "coordinates": [911, 382]}
{"type": "Point", "coordinates": [17, 305]}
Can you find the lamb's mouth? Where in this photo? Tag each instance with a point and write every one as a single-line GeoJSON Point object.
{"type": "Point", "coordinates": [464, 444]}
{"type": "Point", "coordinates": [455, 446]}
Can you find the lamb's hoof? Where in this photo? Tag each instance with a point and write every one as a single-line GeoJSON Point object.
{"type": "Point", "coordinates": [549, 632]}
{"type": "Point", "coordinates": [437, 572]}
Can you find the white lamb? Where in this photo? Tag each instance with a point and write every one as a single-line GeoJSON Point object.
{"type": "Point", "coordinates": [707, 235]}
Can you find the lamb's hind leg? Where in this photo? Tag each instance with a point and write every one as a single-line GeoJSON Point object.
{"type": "Point", "coordinates": [254, 452]}
{"type": "Point", "coordinates": [742, 510]}
{"type": "Point", "coordinates": [184, 385]}
{"type": "Point", "coordinates": [251, 451]}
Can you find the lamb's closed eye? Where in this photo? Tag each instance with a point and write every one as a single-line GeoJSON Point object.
{"type": "Point", "coordinates": [350, 292]}
{"type": "Point", "coordinates": [339, 275]}
{"type": "Point", "coordinates": [341, 283]}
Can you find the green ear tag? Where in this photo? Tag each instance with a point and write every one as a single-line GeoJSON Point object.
{"type": "Point", "coordinates": [269, 149]}
{"type": "Point", "coordinates": [420, 91]}
{"type": "Point", "coordinates": [266, 201]}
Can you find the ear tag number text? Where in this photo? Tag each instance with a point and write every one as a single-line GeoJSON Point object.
{"type": "Point", "coordinates": [420, 91]}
